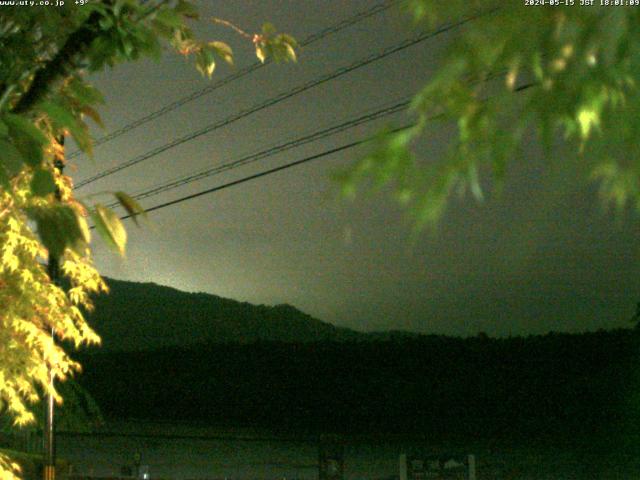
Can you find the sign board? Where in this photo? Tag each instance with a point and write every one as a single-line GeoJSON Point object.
{"type": "Point", "coordinates": [438, 467]}
{"type": "Point", "coordinates": [143, 472]}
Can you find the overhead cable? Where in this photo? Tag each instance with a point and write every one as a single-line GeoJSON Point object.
{"type": "Point", "coordinates": [346, 23]}
{"type": "Point", "coordinates": [271, 151]}
{"type": "Point", "coordinates": [277, 99]}
{"type": "Point", "coordinates": [264, 173]}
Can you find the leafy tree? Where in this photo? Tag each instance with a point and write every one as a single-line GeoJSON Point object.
{"type": "Point", "coordinates": [78, 413]}
{"type": "Point", "coordinates": [566, 74]}
{"type": "Point", "coordinates": [45, 55]}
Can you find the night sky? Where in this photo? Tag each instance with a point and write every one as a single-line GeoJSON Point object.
{"type": "Point", "coordinates": [543, 255]}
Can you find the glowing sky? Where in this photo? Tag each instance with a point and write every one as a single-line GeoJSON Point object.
{"type": "Point", "coordinates": [541, 256]}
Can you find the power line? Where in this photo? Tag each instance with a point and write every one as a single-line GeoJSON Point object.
{"type": "Point", "coordinates": [310, 158]}
{"type": "Point", "coordinates": [254, 157]}
{"type": "Point", "coordinates": [358, 17]}
{"type": "Point", "coordinates": [279, 98]}
{"type": "Point", "coordinates": [264, 173]}
{"type": "Point", "coordinates": [367, 117]}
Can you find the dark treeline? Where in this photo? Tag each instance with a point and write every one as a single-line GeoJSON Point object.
{"type": "Point", "coordinates": [556, 385]}
{"type": "Point", "coordinates": [144, 316]}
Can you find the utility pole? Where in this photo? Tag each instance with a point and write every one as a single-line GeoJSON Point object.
{"type": "Point", "coordinates": [53, 269]}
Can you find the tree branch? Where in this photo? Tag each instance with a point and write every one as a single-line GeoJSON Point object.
{"type": "Point", "coordinates": [61, 64]}
{"type": "Point", "coordinates": [226, 23]}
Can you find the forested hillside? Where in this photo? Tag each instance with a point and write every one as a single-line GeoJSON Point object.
{"type": "Point", "coordinates": [557, 385]}
{"type": "Point", "coordinates": [146, 316]}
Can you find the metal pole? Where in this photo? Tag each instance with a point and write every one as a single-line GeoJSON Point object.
{"type": "Point", "coordinates": [403, 466]}
{"type": "Point", "coordinates": [472, 467]}
{"type": "Point", "coordinates": [53, 269]}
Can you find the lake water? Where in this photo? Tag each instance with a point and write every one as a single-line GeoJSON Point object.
{"type": "Point", "coordinates": [192, 452]}
{"type": "Point", "coordinates": [180, 452]}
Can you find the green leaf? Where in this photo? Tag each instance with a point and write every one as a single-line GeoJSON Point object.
{"type": "Point", "coordinates": [286, 38]}
{"type": "Point", "coordinates": [26, 137]}
{"type": "Point", "coordinates": [43, 183]}
{"type": "Point", "coordinates": [169, 18]}
{"type": "Point", "coordinates": [474, 182]}
{"type": "Point", "coordinates": [58, 227]}
{"type": "Point", "coordinates": [260, 52]}
{"type": "Point", "coordinates": [63, 119]}
{"type": "Point", "coordinates": [126, 47]}
{"type": "Point", "coordinates": [110, 227]}
{"type": "Point", "coordinates": [187, 10]}
{"type": "Point", "coordinates": [205, 63]}
{"type": "Point", "coordinates": [291, 53]}
{"type": "Point", "coordinates": [102, 51]}
{"type": "Point", "coordinates": [161, 29]}
{"type": "Point", "coordinates": [279, 48]}
{"type": "Point", "coordinates": [587, 118]}
{"type": "Point", "coordinates": [85, 94]}
{"type": "Point", "coordinates": [285, 45]}
{"type": "Point", "coordinates": [132, 207]}
{"type": "Point", "coordinates": [222, 50]}
{"type": "Point", "coordinates": [10, 159]}
{"type": "Point", "coordinates": [105, 22]}
{"type": "Point", "coordinates": [93, 115]}
{"type": "Point", "coordinates": [119, 7]}
{"type": "Point", "coordinates": [4, 179]}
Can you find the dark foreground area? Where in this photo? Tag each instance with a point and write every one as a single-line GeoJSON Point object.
{"type": "Point", "coordinates": [177, 452]}
{"type": "Point", "coordinates": [558, 388]}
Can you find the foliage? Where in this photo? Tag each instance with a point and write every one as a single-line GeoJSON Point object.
{"type": "Point", "coordinates": [78, 413]}
{"type": "Point", "coordinates": [45, 55]}
{"type": "Point", "coordinates": [270, 44]}
{"type": "Point", "coordinates": [9, 470]}
{"type": "Point", "coordinates": [127, 324]}
{"type": "Point", "coordinates": [566, 74]}
{"type": "Point", "coordinates": [27, 465]}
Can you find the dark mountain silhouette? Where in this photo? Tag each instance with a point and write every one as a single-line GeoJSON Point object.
{"type": "Point", "coordinates": [144, 316]}
{"type": "Point", "coordinates": [200, 358]}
